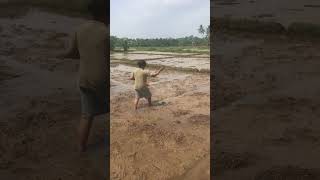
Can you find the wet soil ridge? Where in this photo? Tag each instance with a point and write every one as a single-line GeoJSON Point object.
{"type": "Point", "coordinates": [77, 5]}
{"type": "Point", "coordinates": [184, 62]}
{"type": "Point", "coordinates": [226, 161]}
{"type": "Point", "coordinates": [259, 26]}
{"type": "Point", "coordinates": [288, 172]}
{"type": "Point", "coordinates": [155, 66]}
{"type": "Point", "coordinates": [264, 88]}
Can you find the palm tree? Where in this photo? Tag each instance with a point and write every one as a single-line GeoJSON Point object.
{"type": "Point", "coordinates": [125, 45]}
{"type": "Point", "coordinates": [201, 30]}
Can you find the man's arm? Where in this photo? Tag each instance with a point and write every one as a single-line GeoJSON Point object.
{"type": "Point", "coordinates": [154, 74]}
{"type": "Point", "coordinates": [72, 51]}
{"type": "Point", "coordinates": [132, 77]}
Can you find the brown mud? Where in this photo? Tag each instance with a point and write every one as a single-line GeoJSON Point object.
{"type": "Point", "coordinates": [169, 140]}
{"type": "Point", "coordinates": [263, 92]}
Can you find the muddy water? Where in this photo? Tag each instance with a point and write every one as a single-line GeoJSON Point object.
{"type": "Point", "coordinates": [162, 53]}
{"type": "Point", "coordinates": [182, 62]}
{"type": "Point", "coordinates": [202, 56]}
{"type": "Point", "coordinates": [121, 73]}
{"type": "Point", "coordinates": [283, 11]}
{"type": "Point", "coordinates": [120, 82]}
{"type": "Point", "coordinates": [193, 63]}
{"type": "Point", "coordinates": [131, 56]}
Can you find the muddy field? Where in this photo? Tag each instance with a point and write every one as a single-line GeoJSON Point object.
{"type": "Point", "coordinates": [40, 104]}
{"type": "Point", "coordinates": [171, 139]}
{"type": "Point", "coordinates": [266, 107]}
{"type": "Point", "coordinates": [283, 11]}
{"type": "Point", "coordinates": [40, 109]}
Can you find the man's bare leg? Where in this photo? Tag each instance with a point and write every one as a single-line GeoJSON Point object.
{"type": "Point", "coordinates": [84, 131]}
{"type": "Point", "coordinates": [136, 103]}
{"type": "Point", "coordinates": [149, 101]}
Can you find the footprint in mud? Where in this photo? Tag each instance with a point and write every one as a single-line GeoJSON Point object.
{"type": "Point", "coordinates": [179, 113]}
{"type": "Point", "coordinates": [7, 49]}
{"type": "Point", "coordinates": [225, 161]}
{"type": "Point", "coordinates": [302, 134]}
{"type": "Point", "coordinates": [288, 101]}
{"type": "Point", "coordinates": [283, 140]}
{"type": "Point", "coordinates": [199, 119]}
{"type": "Point", "coordinates": [180, 138]}
{"type": "Point", "coordinates": [6, 73]}
{"type": "Point", "coordinates": [289, 172]}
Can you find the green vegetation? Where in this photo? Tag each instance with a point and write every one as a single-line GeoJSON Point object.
{"type": "Point", "coordinates": [125, 46]}
{"type": "Point", "coordinates": [186, 44]}
{"type": "Point", "coordinates": [181, 49]}
{"type": "Point", "coordinates": [205, 32]}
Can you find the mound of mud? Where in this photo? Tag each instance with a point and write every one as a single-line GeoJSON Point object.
{"type": "Point", "coordinates": [247, 25]}
{"type": "Point", "coordinates": [6, 73]}
{"type": "Point", "coordinates": [199, 119]}
{"type": "Point", "coordinates": [304, 29]}
{"type": "Point", "coordinates": [299, 29]}
{"type": "Point", "coordinates": [289, 172]}
{"type": "Point", "coordinates": [225, 94]}
{"type": "Point", "coordinates": [7, 11]}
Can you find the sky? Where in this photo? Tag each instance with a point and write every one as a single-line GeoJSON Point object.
{"type": "Point", "coordinates": [158, 18]}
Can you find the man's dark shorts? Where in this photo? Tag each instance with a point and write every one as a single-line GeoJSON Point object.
{"type": "Point", "coordinates": [143, 93]}
{"type": "Point", "coordinates": [94, 102]}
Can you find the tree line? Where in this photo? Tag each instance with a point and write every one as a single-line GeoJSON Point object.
{"type": "Point", "coordinates": [125, 43]}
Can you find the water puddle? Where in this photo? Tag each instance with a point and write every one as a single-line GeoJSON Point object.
{"type": "Point", "coordinates": [120, 75]}
{"type": "Point", "coordinates": [163, 53]}
{"type": "Point", "coordinates": [132, 56]}
{"type": "Point", "coordinates": [187, 63]}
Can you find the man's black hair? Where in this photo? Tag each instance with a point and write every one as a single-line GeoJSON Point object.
{"type": "Point", "coordinates": [142, 64]}
{"type": "Point", "coordinates": [99, 9]}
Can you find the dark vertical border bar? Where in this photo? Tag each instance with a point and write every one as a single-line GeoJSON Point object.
{"type": "Point", "coordinates": [108, 118]}
{"type": "Point", "coordinates": [212, 87]}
